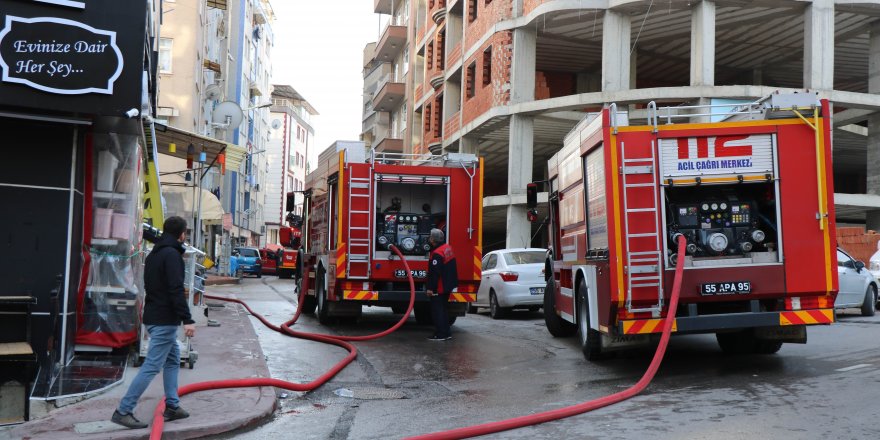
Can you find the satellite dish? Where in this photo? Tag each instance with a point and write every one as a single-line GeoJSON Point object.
{"type": "Point", "coordinates": [227, 114]}
{"type": "Point", "coordinates": [276, 124]}
{"type": "Point", "coordinates": [213, 92]}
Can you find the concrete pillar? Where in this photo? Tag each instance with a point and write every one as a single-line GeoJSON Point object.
{"type": "Point", "coordinates": [519, 173]}
{"type": "Point", "coordinates": [703, 44]}
{"type": "Point", "coordinates": [469, 145]}
{"type": "Point", "coordinates": [522, 69]}
{"type": "Point", "coordinates": [873, 163]}
{"type": "Point", "coordinates": [819, 45]}
{"type": "Point", "coordinates": [615, 51]}
{"type": "Point", "coordinates": [520, 154]}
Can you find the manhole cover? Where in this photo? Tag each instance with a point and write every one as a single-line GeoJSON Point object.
{"type": "Point", "coordinates": [375, 393]}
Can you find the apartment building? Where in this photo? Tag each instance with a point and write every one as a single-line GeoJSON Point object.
{"type": "Point", "coordinates": [291, 136]}
{"type": "Point", "coordinates": [507, 79]}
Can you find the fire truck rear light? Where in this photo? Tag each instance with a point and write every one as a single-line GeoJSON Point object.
{"type": "Point", "coordinates": [509, 276]}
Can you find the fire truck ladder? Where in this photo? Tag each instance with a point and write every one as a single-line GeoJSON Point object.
{"type": "Point", "coordinates": [359, 241]}
{"type": "Point", "coordinates": [644, 265]}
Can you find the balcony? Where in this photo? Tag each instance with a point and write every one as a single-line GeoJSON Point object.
{"type": "Point", "coordinates": [391, 93]}
{"type": "Point", "coordinates": [390, 145]}
{"type": "Point", "coordinates": [392, 43]}
{"type": "Point", "coordinates": [383, 6]}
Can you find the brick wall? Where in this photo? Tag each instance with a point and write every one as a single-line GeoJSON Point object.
{"type": "Point", "coordinates": [554, 84]}
{"type": "Point", "coordinates": [858, 243]}
{"type": "Point", "coordinates": [452, 124]}
{"type": "Point", "coordinates": [487, 16]}
{"type": "Point", "coordinates": [498, 91]}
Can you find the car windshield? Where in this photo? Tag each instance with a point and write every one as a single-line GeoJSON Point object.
{"type": "Point", "coordinates": [248, 253]}
{"type": "Point", "coordinates": [524, 257]}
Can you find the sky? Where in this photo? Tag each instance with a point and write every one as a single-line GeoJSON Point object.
{"type": "Point", "coordinates": [319, 52]}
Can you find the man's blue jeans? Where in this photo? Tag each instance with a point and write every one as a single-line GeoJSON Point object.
{"type": "Point", "coordinates": [164, 355]}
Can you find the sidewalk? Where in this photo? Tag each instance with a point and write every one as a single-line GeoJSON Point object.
{"type": "Point", "coordinates": [231, 351]}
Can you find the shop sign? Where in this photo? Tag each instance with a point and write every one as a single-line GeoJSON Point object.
{"type": "Point", "coordinates": [60, 56]}
{"type": "Point", "coordinates": [80, 57]}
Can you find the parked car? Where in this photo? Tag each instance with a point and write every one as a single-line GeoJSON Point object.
{"type": "Point", "coordinates": [269, 260]}
{"type": "Point", "coordinates": [512, 279]}
{"type": "Point", "coordinates": [249, 261]}
{"type": "Point", "coordinates": [874, 267]}
{"type": "Point", "coordinates": [858, 286]}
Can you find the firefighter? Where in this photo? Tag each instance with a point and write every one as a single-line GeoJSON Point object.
{"type": "Point", "coordinates": [442, 280]}
{"type": "Point", "coordinates": [396, 205]}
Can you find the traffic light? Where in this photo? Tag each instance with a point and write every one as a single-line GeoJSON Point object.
{"type": "Point", "coordinates": [531, 195]}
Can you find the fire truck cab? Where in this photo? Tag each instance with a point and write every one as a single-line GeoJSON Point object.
{"type": "Point", "coordinates": [359, 203]}
{"type": "Point", "coordinates": [750, 191]}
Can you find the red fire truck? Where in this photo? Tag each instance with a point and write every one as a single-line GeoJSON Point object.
{"type": "Point", "coordinates": [358, 203]}
{"type": "Point", "coordinates": [288, 257]}
{"type": "Point", "coordinates": [751, 193]}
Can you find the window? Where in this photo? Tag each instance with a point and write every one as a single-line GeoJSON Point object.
{"type": "Point", "coordinates": [524, 257]}
{"type": "Point", "coordinates": [406, 60]}
{"type": "Point", "coordinates": [493, 261]}
{"type": "Point", "coordinates": [472, 10]}
{"type": "Point", "coordinates": [470, 80]}
{"type": "Point", "coordinates": [597, 220]}
{"type": "Point", "coordinates": [165, 45]}
{"type": "Point", "coordinates": [429, 56]}
{"type": "Point", "coordinates": [487, 66]}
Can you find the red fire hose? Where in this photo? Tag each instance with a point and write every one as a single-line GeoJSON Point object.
{"type": "Point", "coordinates": [159, 422]}
{"type": "Point", "coordinates": [561, 413]}
{"type": "Point", "coordinates": [466, 432]}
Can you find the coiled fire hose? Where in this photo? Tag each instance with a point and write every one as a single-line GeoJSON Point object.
{"type": "Point", "coordinates": [561, 413]}
{"type": "Point", "coordinates": [342, 341]}
{"type": "Point", "coordinates": [458, 433]}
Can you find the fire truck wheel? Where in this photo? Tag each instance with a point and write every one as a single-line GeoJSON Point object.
{"type": "Point", "coordinates": [283, 274]}
{"type": "Point", "coordinates": [495, 310]}
{"type": "Point", "coordinates": [321, 296]}
{"type": "Point", "coordinates": [739, 342]}
{"type": "Point", "coordinates": [557, 326]}
{"type": "Point", "coordinates": [767, 346]}
{"type": "Point", "coordinates": [869, 306]}
{"type": "Point", "coordinates": [590, 339]}
{"type": "Point", "coordinates": [398, 310]}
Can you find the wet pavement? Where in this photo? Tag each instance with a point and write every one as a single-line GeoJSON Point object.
{"type": "Point", "coordinates": [405, 385]}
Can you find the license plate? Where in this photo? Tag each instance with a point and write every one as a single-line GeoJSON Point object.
{"type": "Point", "coordinates": [727, 288]}
{"type": "Point", "coordinates": [400, 273]}
{"type": "Point", "coordinates": [536, 290]}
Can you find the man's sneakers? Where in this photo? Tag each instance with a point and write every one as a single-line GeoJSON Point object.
{"type": "Point", "coordinates": [174, 413]}
{"type": "Point", "coordinates": [439, 338]}
{"type": "Point", "coordinates": [127, 420]}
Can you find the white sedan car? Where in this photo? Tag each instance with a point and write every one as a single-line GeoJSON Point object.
{"type": "Point", "coordinates": [858, 287]}
{"type": "Point", "coordinates": [512, 279]}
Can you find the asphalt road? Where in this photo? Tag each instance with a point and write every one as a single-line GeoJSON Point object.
{"type": "Point", "coordinates": [405, 385]}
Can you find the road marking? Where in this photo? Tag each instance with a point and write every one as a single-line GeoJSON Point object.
{"type": "Point", "coordinates": [854, 367]}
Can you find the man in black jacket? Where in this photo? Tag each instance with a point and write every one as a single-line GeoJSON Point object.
{"type": "Point", "coordinates": [165, 309]}
{"type": "Point", "coordinates": [442, 280]}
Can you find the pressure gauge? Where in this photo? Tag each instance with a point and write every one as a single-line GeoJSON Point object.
{"type": "Point", "coordinates": [718, 242]}
{"type": "Point", "coordinates": [705, 206]}
{"type": "Point", "coordinates": [408, 244]}
{"type": "Point", "coordinates": [714, 206]}
{"type": "Point", "coordinates": [723, 206]}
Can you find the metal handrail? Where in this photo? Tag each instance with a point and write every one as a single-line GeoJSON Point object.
{"type": "Point", "coordinates": [750, 109]}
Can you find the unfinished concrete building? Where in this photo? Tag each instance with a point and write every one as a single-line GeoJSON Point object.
{"type": "Point", "coordinates": [507, 79]}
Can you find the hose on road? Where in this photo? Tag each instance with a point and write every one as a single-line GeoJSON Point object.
{"type": "Point", "coordinates": [341, 341]}
{"type": "Point", "coordinates": [458, 433]}
{"type": "Point", "coordinates": [561, 413]}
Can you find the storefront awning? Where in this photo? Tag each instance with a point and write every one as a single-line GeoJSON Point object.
{"type": "Point", "coordinates": [166, 135]}
{"type": "Point", "coordinates": [181, 201]}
